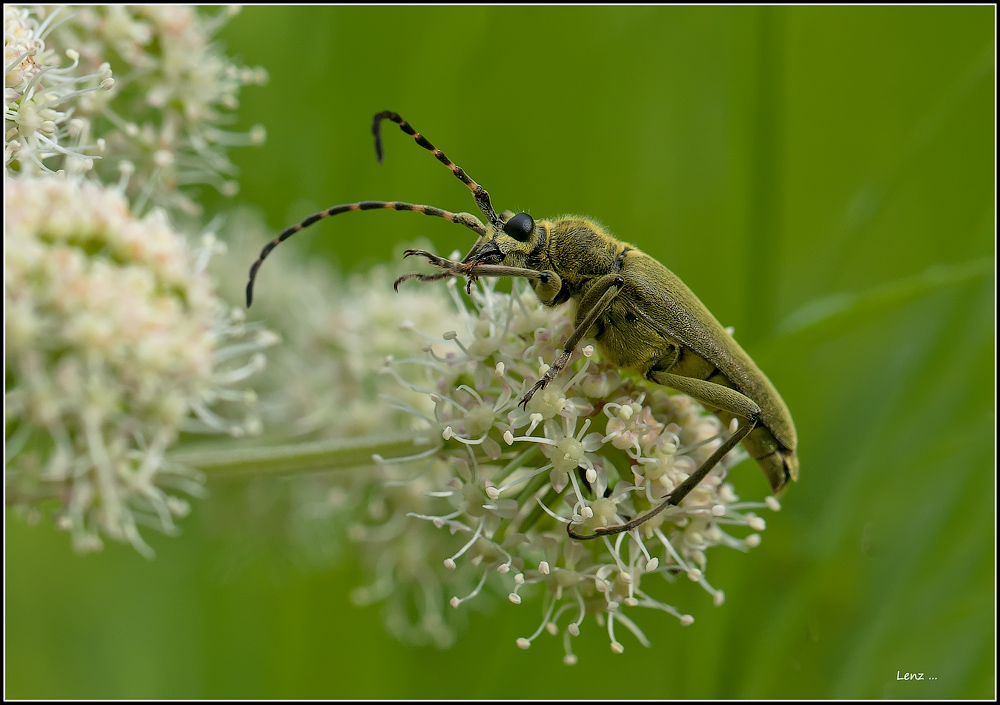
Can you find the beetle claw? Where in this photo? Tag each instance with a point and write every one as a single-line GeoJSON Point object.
{"type": "Point", "coordinates": [540, 384]}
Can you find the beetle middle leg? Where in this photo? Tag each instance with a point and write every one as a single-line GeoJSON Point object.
{"type": "Point", "coordinates": [711, 394]}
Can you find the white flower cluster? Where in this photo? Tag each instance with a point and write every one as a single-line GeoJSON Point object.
{"type": "Point", "coordinates": [115, 344]}
{"type": "Point", "coordinates": [41, 98]}
{"type": "Point", "coordinates": [157, 128]}
{"type": "Point", "coordinates": [494, 498]}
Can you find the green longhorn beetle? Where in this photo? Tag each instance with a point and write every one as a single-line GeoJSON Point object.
{"type": "Point", "coordinates": [641, 315]}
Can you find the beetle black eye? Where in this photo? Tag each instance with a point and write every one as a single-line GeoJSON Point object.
{"type": "Point", "coordinates": [519, 227]}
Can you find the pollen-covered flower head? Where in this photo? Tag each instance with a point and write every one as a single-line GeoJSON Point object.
{"type": "Point", "coordinates": [501, 483]}
{"type": "Point", "coordinates": [115, 344]}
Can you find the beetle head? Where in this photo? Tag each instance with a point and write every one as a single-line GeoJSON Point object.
{"type": "Point", "coordinates": [517, 236]}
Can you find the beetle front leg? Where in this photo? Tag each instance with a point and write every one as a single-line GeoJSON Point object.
{"type": "Point", "coordinates": [449, 268]}
{"type": "Point", "coordinates": [606, 289]}
{"type": "Point", "coordinates": [547, 283]}
{"type": "Point", "coordinates": [421, 278]}
{"type": "Point", "coordinates": [438, 261]}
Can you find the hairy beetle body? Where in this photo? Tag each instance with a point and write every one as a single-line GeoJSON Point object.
{"type": "Point", "coordinates": [641, 315]}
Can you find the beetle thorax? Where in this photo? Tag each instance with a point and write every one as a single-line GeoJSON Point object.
{"type": "Point", "coordinates": [580, 249]}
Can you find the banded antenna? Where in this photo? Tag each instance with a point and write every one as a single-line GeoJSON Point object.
{"type": "Point", "coordinates": [465, 219]}
{"type": "Point", "coordinates": [481, 195]}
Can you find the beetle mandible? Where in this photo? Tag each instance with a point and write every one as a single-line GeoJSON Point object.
{"type": "Point", "coordinates": [641, 315]}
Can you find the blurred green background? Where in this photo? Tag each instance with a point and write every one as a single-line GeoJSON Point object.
{"type": "Point", "coordinates": [822, 177]}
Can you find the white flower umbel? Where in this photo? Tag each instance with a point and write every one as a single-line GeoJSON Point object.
{"type": "Point", "coordinates": [115, 344]}
{"type": "Point", "coordinates": [159, 127]}
{"type": "Point", "coordinates": [494, 497]}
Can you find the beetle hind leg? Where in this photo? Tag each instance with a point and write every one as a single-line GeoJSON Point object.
{"type": "Point", "coordinates": [714, 395]}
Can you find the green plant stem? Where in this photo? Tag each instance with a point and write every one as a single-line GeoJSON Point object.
{"type": "Point", "coordinates": [294, 458]}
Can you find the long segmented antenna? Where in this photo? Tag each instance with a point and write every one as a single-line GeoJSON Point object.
{"type": "Point", "coordinates": [482, 197]}
{"type": "Point", "coordinates": [465, 219]}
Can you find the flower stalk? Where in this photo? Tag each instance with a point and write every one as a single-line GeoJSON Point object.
{"type": "Point", "coordinates": [229, 462]}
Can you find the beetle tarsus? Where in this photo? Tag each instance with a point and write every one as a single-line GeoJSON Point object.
{"type": "Point", "coordinates": [539, 385]}
{"type": "Point", "coordinates": [400, 280]}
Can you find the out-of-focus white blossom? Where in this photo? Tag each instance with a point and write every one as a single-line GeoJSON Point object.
{"type": "Point", "coordinates": [116, 343]}
{"type": "Point", "coordinates": [159, 127]}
